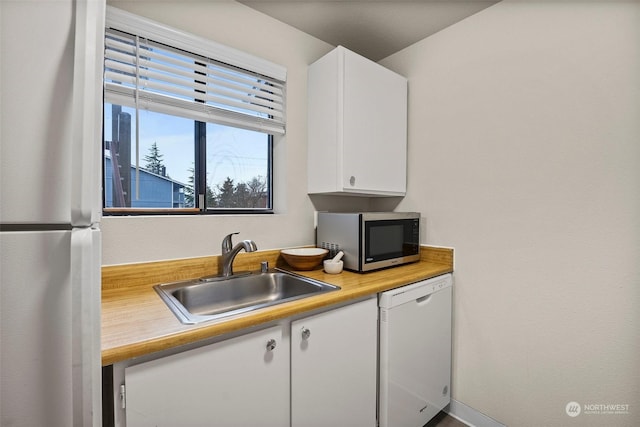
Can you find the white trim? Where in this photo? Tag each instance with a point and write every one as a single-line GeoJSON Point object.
{"type": "Point", "coordinates": [469, 416]}
{"type": "Point", "coordinates": [125, 21]}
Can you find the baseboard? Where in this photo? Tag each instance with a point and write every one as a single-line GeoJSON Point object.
{"type": "Point", "coordinates": [470, 416]}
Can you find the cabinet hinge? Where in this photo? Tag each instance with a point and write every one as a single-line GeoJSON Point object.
{"type": "Point", "coordinates": [123, 399]}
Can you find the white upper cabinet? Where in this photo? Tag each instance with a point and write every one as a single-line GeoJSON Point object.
{"type": "Point", "coordinates": [357, 127]}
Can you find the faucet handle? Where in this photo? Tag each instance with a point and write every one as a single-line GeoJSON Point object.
{"type": "Point", "coordinates": [227, 243]}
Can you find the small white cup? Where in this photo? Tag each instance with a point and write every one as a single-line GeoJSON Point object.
{"type": "Point", "coordinates": [332, 267]}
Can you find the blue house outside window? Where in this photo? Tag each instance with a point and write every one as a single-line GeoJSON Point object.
{"type": "Point", "coordinates": [156, 191]}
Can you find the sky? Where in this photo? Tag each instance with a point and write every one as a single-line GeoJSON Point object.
{"type": "Point", "coordinates": [236, 153]}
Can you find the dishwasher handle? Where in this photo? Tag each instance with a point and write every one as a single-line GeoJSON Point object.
{"type": "Point", "coordinates": [415, 291]}
{"type": "Point", "coordinates": [423, 299]}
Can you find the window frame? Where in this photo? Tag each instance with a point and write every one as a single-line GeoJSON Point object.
{"type": "Point", "coordinates": [177, 39]}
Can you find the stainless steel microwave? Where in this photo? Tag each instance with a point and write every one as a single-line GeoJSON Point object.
{"type": "Point", "coordinates": [370, 240]}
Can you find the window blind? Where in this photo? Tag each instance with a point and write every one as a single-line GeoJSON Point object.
{"type": "Point", "coordinates": [146, 74]}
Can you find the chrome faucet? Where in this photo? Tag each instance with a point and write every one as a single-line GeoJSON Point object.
{"type": "Point", "coordinates": [229, 252]}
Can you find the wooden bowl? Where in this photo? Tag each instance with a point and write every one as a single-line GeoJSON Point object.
{"type": "Point", "coordinates": [304, 258]}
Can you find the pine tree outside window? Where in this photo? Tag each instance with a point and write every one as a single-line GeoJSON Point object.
{"type": "Point", "coordinates": [154, 161]}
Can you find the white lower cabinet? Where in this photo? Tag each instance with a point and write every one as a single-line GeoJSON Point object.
{"type": "Point", "coordinates": [321, 372]}
{"type": "Point", "coordinates": [333, 367]}
{"type": "Point", "coordinates": [238, 382]}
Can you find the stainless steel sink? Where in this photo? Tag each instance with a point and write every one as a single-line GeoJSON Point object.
{"type": "Point", "coordinates": [197, 301]}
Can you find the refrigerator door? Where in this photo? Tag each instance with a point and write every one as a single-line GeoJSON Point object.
{"type": "Point", "coordinates": [50, 111]}
{"type": "Point", "coordinates": [35, 331]}
{"type": "Point", "coordinates": [37, 80]}
{"type": "Point", "coordinates": [49, 333]}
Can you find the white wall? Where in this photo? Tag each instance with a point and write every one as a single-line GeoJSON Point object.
{"type": "Point", "coordinates": [524, 155]}
{"type": "Point", "coordinates": [148, 238]}
{"type": "Point", "coordinates": [524, 141]}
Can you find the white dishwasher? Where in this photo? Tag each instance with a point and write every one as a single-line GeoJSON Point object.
{"type": "Point", "coordinates": [415, 352]}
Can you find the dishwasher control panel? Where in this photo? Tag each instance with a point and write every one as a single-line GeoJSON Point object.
{"type": "Point", "coordinates": [414, 291]}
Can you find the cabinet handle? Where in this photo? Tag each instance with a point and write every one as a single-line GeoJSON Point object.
{"type": "Point", "coordinates": [306, 333]}
{"type": "Point", "coordinates": [352, 180]}
{"type": "Point", "coordinates": [271, 344]}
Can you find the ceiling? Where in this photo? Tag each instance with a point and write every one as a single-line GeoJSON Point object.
{"type": "Point", "coordinates": [373, 28]}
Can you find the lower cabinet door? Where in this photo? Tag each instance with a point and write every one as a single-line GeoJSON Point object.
{"type": "Point", "coordinates": [333, 367]}
{"type": "Point", "coordinates": [242, 381]}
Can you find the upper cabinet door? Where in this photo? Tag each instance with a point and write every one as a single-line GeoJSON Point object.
{"type": "Point", "coordinates": [357, 127]}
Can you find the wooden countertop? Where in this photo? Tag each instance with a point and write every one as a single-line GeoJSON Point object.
{"type": "Point", "coordinates": [136, 322]}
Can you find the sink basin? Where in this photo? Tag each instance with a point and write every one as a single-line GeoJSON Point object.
{"type": "Point", "coordinates": [197, 301]}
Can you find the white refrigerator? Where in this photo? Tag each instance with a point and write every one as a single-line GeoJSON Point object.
{"type": "Point", "coordinates": [50, 207]}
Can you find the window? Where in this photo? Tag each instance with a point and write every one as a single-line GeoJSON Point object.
{"type": "Point", "coordinates": [188, 124]}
